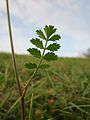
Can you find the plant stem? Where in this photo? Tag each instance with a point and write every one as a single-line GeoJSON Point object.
{"type": "Point", "coordinates": [28, 82]}
{"type": "Point", "coordinates": [13, 58]}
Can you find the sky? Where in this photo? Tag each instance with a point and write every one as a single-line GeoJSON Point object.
{"type": "Point", "coordinates": [70, 17]}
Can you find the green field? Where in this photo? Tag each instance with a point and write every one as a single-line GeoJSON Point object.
{"type": "Point", "coordinates": [61, 92]}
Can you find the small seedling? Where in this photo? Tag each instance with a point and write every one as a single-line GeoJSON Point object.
{"type": "Point", "coordinates": [45, 47]}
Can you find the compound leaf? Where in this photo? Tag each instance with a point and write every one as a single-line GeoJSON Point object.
{"type": "Point", "coordinates": [53, 47]}
{"type": "Point", "coordinates": [35, 52]}
{"type": "Point", "coordinates": [49, 30]}
{"type": "Point", "coordinates": [30, 65]}
{"type": "Point", "coordinates": [55, 37]}
{"type": "Point", "coordinates": [44, 66]}
{"type": "Point", "coordinates": [37, 42]}
{"type": "Point", "coordinates": [50, 56]}
{"type": "Point", "coordinates": [41, 34]}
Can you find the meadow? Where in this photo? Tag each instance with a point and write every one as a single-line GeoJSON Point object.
{"type": "Point", "coordinates": [61, 92]}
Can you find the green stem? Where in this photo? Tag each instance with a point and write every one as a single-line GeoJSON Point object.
{"type": "Point", "coordinates": [27, 84]}
{"type": "Point", "coordinates": [13, 58]}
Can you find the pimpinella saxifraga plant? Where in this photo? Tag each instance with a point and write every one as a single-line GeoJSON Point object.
{"type": "Point", "coordinates": [45, 47]}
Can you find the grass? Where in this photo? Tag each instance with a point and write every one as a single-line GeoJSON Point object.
{"type": "Point", "coordinates": [60, 93]}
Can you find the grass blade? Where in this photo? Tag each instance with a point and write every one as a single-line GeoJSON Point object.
{"type": "Point", "coordinates": [13, 106]}
{"type": "Point", "coordinates": [31, 108]}
{"type": "Point", "coordinates": [76, 106]}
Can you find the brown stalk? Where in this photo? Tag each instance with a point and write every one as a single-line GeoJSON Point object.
{"type": "Point", "coordinates": [14, 60]}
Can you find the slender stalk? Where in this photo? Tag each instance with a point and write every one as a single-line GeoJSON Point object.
{"type": "Point", "coordinates": [13, 58]}
{"type": "Point", "coordinates": [12, 48]}
{"type": "Point", "coordinates": [28, 82]}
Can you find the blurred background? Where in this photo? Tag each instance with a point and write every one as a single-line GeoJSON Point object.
{"type": "Point", "coordinates": [71, 17]}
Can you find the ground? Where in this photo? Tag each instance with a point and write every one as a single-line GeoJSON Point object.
{"type": "Point", "coordinates": [61, 92]}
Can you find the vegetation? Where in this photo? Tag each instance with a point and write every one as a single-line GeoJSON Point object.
{"type": "Point", "coordinates": [61, 92]}
{"type": "Point", "coordinates": [48, 95]}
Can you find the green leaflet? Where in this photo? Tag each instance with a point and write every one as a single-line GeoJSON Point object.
{"type": "Point", "coordinates": [41, 34]}
{"type": "Point", "coordinates": [49, 30]}
{"type": "Point", "coordinates": [30, 65]}
{"type": "Point", "coordinates": [37, 42]}
{"type": "Point", "coordinates": [33, 65]}
{"type": "Point", "coordinates": [55, 37]}
{"type": "Point", "coordinates": [50, 56]}
{"type": "Point", "coordinates": [53, 47]}
{"type": "Point", "coordinates": [34, 52]}
{"type": "Point", "coordinates": [44, 66]}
